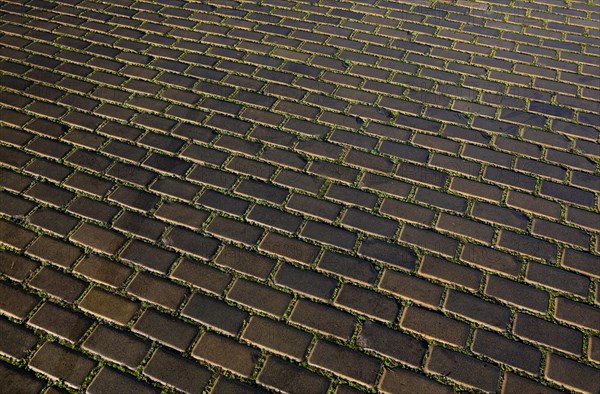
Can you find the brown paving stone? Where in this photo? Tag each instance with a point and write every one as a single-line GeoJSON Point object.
{"type": "Point", "coordinates": [62, 363]}
{"type": "Point", "coordinates": [517, 384]}
{"type": "Point", "coordinates": [19, 381]}
{"type": "Point", "coordinates": [435, 325]}
{"type": "Point", "coordinates": [109, 306]}
{"type": "Point", "coordinates": [572, 374]}
{"type": "Point", "coordinates": [109, 380]}
{"type": "Point", "coordinates": [226, 353]}
{"type": "Point", "coordinates": [57, 284]}
{"type": "Point", "coordinates": [323, 318]}
{"type": "Point", "coordinates": [346, 362]}
{"type": "Point", "coordinates": [398, 380]}
{"type": "Point", "coordinates": [214, 313]}
{"type": "Point", "coordinates": [366, 302]}
{"type": "Point", "coordinates": [14, 236]}
{"type": "Point", "coordinates": [165, 329]}
{"type": "Point", "coordinates": [103, 270]}
{"type": "Point", "coordinates": [225, 386]}
{"type": "Point", "coordinates": [258, 296]}
{"type": "Point", "coordinates": [170, 368]}
{"type": "Point", "coordinates": [464, 369]}
{"type": "Point", "coordinates": [16, 341]}
{"type": "Point", "coordinates": [156, 290]}
{"type": "Point", "coordinates": [16, 267]}
{"type": "Point", "coordinates": [289, 378]}
{"type": "Point", "coordinates": [411, 287]}
{"type": "Point", "coordinates": [474, 308]}
{"type": "Point", "coordinates": [277, 337]}
{"type": "Point", "coordinates": [391, 343]}
{"type": "Point", "coordinates": [15, 302]}
{"type": "Point", "coordinates": [97, 238]}
{"type": "Point", "coordinates": [117, 346]}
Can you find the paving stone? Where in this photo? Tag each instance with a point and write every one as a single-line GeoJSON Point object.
{"type": "Point", "coordinates": [349, 120]}
{"type": "Point", "coordinates": [366, 302]}
{"type": "Point", "coordinates": [157, 290]}
{"type": "Point", "coordinates": [15, 302]}
{"type": "Point", "coordinates": [258, 296]}
{"type": "Point", "coordinates": [305, 282]}
{"type": "Point", "coordinates": [189, 242]}
{"type": "Point", "coordinates": [348, 267]}
{"type": "Point", "coordinates": [398, 380]}
{"type": "Point", "coordinates": [323, 318]}
{"type": "Point", "coordinates": [62, 363]}
{"type": "Point", "coordinates": [16, 267]}
{"type": "Point", "coordinates": [214, 313]}
{"type": "Point", "coordinates": [235, 231]}
{"type": "Point", "coordinates": [16, 341]}
{"type": "Point", "coordinates": [391, 343]}
{"type": "Point", "coordinates": [109, 306]}
{"type": "Point", "coordinates": [387, 253]}
{"type": "Point", "coordinates": [571, 374]}
{"type": "Point", "coordinates": [474, 308]}
{"type": "Point", "coordinates": [516, 293]}
{"type": "Point", "coordinates": [19, 381]}
{"type": "Point", "coordinates": [506, 351]}
{"type": "Point", "coordinates": [97, 238]}
{"type": "Point", "coordinates": [224, 386]}
{"type": "Point", "coordinates": [203, 276]}
{"type": "Point", "coordinates": [517, 384]}
{"type": "Point", "coordinates": [55, 283]}
{"type": "Point", "coordinates": [109, 380]}
{"type": "Point", "coordinates": [547, 333]}
{"type": "Point", "coordinates": [281, 375]}
{"type": "Point", "coordinates": [165, 329]}
{"type": "Point", "coordinates": [117, 346]}
{"type": "Point", "coordinates": [277, 337]}
{"type": "Point", "coordinates": [450, 272]}
{"type": "Point", "coordinates": [226, 353]}
{"type": "Point", "coordinates": [346, 362]}
{"type": "Point", "coordinates": [464, 369]}
{"type": "Point", "coordinates": [171, 369]}
{"type": "Point", "coordinates": [14, 236]}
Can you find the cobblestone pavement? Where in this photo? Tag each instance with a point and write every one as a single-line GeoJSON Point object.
{"type": "Point", "coordinates": [299, 196]}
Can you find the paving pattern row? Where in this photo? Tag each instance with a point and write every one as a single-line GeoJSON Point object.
{"type": "Point", "coordinates": [299, 196]}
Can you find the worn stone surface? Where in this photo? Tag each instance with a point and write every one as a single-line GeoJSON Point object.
{"type": "Point", "coordinates": [299, 196]}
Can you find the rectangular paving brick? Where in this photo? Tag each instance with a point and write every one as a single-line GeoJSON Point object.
{"type": "Point", "coordinates": [435, 325]}
{"type": "Point", "coordinates": [226, 353]}
{"type": "Point", "coordinates": [366, 302]}
{"type": "Point", "coordinates": [61, 322]}
{"type": "Point", "coordinates": [403, 380]}
{"type": "Point", "coordinates": [62, 363]}
{"type": "Point", "coordinates": [289, 378]}
{"type": "Point", "coordinates": [346, 362]}
{"type": "Point", "coordinates": [112, 307]}
{"type": "Point", "coordinates": [261, 297]}
{"type": "Point", "coordinates": [16, 341]}
{"type": "Point", "coordinates": [15, 302]}
{"type": "Point", "coordinates": [305, 282]}
{"type": "Point", "coordinates": [277, 337]}
{"type": "Point", "coordinates": [549, 334]}
{"type": "Point", "coordinates": [117, 346]}
{"type": "Point", "coordinates": [323, 318]}
{"type": "Point", "coordinates": [165, 329]}
{"type": "Point", "coordinates": [109, 380]}
{"type": "Point", "coordinates": [214, 313]}
{"type": "Point", "coordinates": [474, 308]}
{"type": "Point", "coordinates": [391, 343]}
{"type": "Point", "coordinates": [170, 368]}
{"type": "Point", "coordinates": [156, 290]}
{"type": "Point", "coordinates": [464, 369]}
